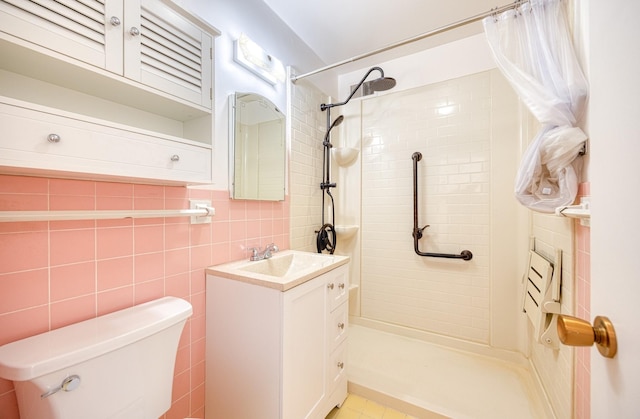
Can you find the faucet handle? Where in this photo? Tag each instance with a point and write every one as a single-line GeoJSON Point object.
{"type": "Point", "coordinates": [255, 253]}
{"type": "Point", "coordinates": [272, 247]}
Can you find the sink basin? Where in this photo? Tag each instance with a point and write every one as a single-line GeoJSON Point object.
{"type": "Point", "coordinates": [284, 270]}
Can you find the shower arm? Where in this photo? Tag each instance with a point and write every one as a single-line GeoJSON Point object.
{"type": "Point", "coordinates": [326, 106]}
{"type": "Point", "coordinates": [417, 232]}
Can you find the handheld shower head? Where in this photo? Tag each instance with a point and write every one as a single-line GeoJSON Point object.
{"type": "Point", "coordinates": [335, 123]}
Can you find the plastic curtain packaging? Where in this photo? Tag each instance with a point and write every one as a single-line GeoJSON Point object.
{"type": "Point", "coordinates": [532, 48]}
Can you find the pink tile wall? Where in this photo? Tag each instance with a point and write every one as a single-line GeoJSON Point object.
{"type": "Point", "coordinates": [56, 273]}
{"type": "Point", "coordinates": [583, 311]}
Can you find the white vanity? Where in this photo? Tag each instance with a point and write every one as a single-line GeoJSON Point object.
{"type": "Point", "coordinates": [276, 336]}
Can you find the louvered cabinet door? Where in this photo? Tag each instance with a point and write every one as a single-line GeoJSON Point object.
{"type": "Point", "coordinates": [165, 51]}
{"type": "Point", "coordinates": [80, 29]}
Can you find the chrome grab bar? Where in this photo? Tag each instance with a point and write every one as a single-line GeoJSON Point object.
{"type": "Point", "coordinates": [417, 231]}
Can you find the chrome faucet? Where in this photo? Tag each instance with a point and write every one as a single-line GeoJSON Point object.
{"type": "Point", "coordinates": [266, 254]}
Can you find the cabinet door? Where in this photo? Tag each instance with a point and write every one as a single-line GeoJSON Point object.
{"type": "Point", "coordinates": [76, 29]}
{"type": "Point", "coordinates": [165, 51]}
{"type": "Point", "coordinates": [304, 354]}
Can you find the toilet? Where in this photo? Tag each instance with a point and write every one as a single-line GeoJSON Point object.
{"type": "Point", "coordinates": [119, 365]}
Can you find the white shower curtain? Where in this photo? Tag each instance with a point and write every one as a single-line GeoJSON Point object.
{"type": "Point", "coordinates": [532, 47]}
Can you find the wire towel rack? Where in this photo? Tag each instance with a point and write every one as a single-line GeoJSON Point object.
{"type": "Point", "coordinates": [417, 231]}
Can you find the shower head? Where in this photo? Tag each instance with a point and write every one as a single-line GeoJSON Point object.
{"type": "Point", "coordinates": [335, 123]}
{"type": "Point", "coordinates": [377, 85]}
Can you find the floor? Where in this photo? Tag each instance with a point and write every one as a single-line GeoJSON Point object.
{"type": "Point", "coordinates": [452, 383]}
{"type": "Point", "coordinates": [356, 407]}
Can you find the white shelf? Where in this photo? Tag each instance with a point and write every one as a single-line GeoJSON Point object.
{"type": "Point", "coordinates": [345, 156]}
{"type": "Point", "coordinates": [346, 231]}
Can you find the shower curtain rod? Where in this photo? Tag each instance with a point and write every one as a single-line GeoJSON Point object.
{"type": "Point", "coordinates": [437, 31]}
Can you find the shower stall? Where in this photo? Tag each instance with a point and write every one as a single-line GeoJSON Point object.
{"type": "Point", "coordinates": [435, 334]}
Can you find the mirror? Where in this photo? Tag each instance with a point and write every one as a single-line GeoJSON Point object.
{"type": "Point", "coordinates": [257, 148]}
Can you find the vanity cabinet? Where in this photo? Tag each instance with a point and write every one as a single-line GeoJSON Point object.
{"type": "Point", "coordinates": [275, 354]}
{"type": "Point", "coordinates": [131, 80]}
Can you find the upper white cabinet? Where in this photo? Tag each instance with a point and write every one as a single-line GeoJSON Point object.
{"type": "Point", "coordinates": [141, 67]}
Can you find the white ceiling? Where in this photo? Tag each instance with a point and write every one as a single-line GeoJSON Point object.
{"type": "Point", "coordinates": [338, 30]}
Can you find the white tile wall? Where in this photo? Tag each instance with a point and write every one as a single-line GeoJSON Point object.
{"type": "Point", "coordinates": [449, 123]}
{"type": "Point", "coordinates": [305, 163]}
{"type": "Point", "coordinates": [555, 367]}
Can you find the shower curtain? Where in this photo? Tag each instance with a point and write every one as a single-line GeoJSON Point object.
{"type": "Point", "coordinates": [532, 47]}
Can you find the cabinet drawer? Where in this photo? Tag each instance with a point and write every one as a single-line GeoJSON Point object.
{"type": "Point", "coordinates": [337, 366]}
{"type": "Point", "coordinates": [338, 284]}
{"type": "Point", "coordinates": [338, 325]}
{"type": "Point", "coordinates": [95, 150]}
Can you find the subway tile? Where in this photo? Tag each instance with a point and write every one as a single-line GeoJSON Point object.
{"type": "Point", "coordinates": [23, 202]}
{"type": "Point", "coordinates": [72, 187]}
{"type": "Point", "coordinates": [176, 236]}
{"type": "Point", "coordinates": [114, 300]}
{"type": "Point", "coordinates": [73, 310]}
{"type": "Point", "coordinates": [148, 238]}
{"type": "Point", "coordinates": [114, 242]}
{"type": "Point", "coordinates": [114, 273]}
{"type": "Point", "coordinates": [176, 261]}
{"type": "Point", "coordinates": [23, 184]}
{"type": "Point", "coordinates": [148, 291]}
{"type": "Point", "coordinates": [181, 385]}
{"type": "Point", "coordinates": [200, 257]}
{"type": "Point", "coordinates": [21, 290]}
{"type": "Point", "coordinates": [179, 407]}
{"type": "Point", "coordinates": [23, 323]}
{"type": "Point", "coordinates": [148, 266]}
{"type": "Point", "coordinates": [121, 203]}
{"type": "Point", "coordinates": [9, 405]}
{"type": "Point", "coordinates": [74, 280]}
{"type": "Point", "coordinates": [178, 285]}
{"type": "Point", "coordinates": [23, 251]}
{"type": "Point", "coordinates": [72, 246]}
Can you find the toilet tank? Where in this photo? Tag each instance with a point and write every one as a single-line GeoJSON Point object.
{"type": "Point", "coordinates": [119, 365]}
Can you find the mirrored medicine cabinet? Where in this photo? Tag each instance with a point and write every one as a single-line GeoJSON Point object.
{"type": "Point", "coordinates": [257, 148]}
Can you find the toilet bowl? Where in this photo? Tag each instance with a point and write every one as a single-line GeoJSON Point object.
{"type": "Point", "coordinates": [119, 365]}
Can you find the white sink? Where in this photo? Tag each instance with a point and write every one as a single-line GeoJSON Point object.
{"type": "Point", "coordinates": [284, 270]}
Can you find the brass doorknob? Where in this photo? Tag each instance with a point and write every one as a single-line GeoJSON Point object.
{"type": "Point", "coordinates": [573, 331]}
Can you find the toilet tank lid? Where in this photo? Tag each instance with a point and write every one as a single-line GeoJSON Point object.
{"type": "Point", "coordinates": [42, 354]}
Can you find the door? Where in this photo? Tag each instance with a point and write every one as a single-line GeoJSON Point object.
{"type": "Point", "coordinates": [614, 129]}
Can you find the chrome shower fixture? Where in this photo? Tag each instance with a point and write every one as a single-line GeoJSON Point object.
{"type": "Point", "coordinates": [378, 85]}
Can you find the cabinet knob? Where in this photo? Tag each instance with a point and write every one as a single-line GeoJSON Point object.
{"type": "Point", "coordinates": [330, 286]}
{"type": "Point", "coordinates": [53, 138]}
{"type": "Point", "coordinates": [341, 365]}
{"type": "Point", "coordinates": [175, 157]}
{"type": "Point", "coordinates": [341, 286]}
{"type": "Point", "coordinates": [134, 31]}
{"type": "Point", "coordinates": [341, 325]}
{"type": "Point", "coordinates": [115, 21]}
